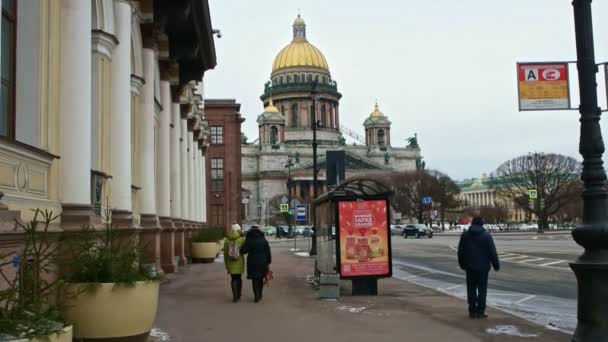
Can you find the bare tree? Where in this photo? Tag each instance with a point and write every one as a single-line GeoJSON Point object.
{"type": "Point", "coordinates": [444, 193]}
{"type": "Point", "coordinates": [552, 176]}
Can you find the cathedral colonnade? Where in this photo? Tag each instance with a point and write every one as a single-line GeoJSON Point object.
{"type": "Point", "coordinates": [104, 115]}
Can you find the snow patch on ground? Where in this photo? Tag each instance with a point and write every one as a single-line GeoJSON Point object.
{"type": "Point", "coordinates": [302, 254]}
{"type": "Point", "coordinates": [351, 309]}
{"type": "Point", "coordinates": [160, 335]}
{"type": "Point", "coordinates": [510, 330]}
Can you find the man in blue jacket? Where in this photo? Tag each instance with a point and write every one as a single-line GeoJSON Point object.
{"type": "Point", "coordinates": [476, 253]}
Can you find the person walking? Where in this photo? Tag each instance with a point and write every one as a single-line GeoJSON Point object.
{"type": "Point", "coordinates": [258, 260]}
{"type": "Point", "coordinates": [476, 253]}
{"type": "Point", "coordinates": [234, 260]}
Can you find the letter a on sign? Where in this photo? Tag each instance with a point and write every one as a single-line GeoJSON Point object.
{"type": "Point", "coordinates": [532, 75]}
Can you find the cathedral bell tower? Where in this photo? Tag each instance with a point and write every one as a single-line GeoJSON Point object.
{"type": "Point", "coordinates": [377, 129]}
{"type": "Point", "coordinates": [271, 126]}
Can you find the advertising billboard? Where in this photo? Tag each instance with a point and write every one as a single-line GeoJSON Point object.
{"type": "Point", "coordinates": [543, 86]}
{"type": "Point", "coordinates": [364, 239]}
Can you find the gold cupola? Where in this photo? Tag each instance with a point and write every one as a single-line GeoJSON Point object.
{"type": "Point", "coordinates": [376, 113]}
{"type": "Point", "coordinates": [300, 53]}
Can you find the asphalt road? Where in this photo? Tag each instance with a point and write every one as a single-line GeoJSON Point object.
{"type": "Point", "coordinates": [535, 281]}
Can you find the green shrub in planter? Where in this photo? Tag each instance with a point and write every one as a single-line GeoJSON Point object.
{"type": "Point", "coordinates": [28, 307]}
{"type": "Point", "coordinates": [213, 234]}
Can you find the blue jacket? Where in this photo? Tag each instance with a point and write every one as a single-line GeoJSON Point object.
{"type": "Point", "coordinates": [476, 250]}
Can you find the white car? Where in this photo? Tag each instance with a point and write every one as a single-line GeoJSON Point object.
{"type": "Point", "coordinates": [397, 229]}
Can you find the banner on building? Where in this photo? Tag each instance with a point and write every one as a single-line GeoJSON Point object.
{"type": "Point", "coordinates": [543, 86]}
{"type": "Point", "coordinates": [363, 239]}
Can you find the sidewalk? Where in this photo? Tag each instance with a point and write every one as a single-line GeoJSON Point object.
{"type": "Point", "coordinates": [195, 305]}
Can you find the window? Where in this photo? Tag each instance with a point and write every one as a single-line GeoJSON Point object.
{"type": "Point", "coordinates": [7, 69]}
{"type": "Point", "coordinates": [296, 78]}
{"type": "Point", "coordinates": [325, 79]}
{"type": "Point", "coordinates": [288, 78]}
{"type": "Point", "coordinates": [381, 137]}
{"type": "Point", "coordinates": [294, 115]}
{"type": "Point", "coordinates": [217, 134]}
{"type": "Point", "coordinates": [309, 78]}
{"type": "Point", "coordinates": [323, 117]}
{"type": "Point", "coordinates": [274, 135]}
{"type": "Point", "coordinates": [217, 174]}
{"type": "Point", "coordinates": [217, 215]}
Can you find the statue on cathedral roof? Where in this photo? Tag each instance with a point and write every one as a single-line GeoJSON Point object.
{"type": "Point", "coordinates": [412, 142]}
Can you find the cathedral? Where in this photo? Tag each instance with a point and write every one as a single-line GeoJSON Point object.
{"type": "Point", "coordinates": [301, 79]}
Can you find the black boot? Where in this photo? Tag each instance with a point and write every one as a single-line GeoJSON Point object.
{"type": "Point", "coordinates": [257, 292]}
{"type": "Point", "coordinates": [235, 291]}
{"type": "Point", "coordinates": [240, 288]}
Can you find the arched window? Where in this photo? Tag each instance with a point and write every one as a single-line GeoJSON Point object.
{"type": "Point", "coordinates": [303, 77]}
{"type": "Point", "coordinates": [294, 115]}
{"type": "Point", "coordinates": [323, 116]}
{"type": "Point", "coordinates": [381, 140]}
{"type": "Point", "coordinates": [317, 78]}
{"type": "Point", "coordinates": [309, 78]}
{"type": "Point", "coordinates": [324, 79]}
{"type": "Point", "coordinates": [281, 79]}
{"type": "Point", "coordinates": [274, 135]}
{"type": "Point", "coordinates": [296, 78]}
{"type": "Point", "coordinates": [288, 79]}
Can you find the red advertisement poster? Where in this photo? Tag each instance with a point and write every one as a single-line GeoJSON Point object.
{"type": "Point", "coordinates": [363, 238]}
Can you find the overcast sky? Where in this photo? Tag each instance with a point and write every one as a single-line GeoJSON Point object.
{"type": "Point", "coordinates": [444, 69]}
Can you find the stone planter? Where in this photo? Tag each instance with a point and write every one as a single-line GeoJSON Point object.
{"type": "Point", "coordinates": [110, 311]}
{"type": "Point", "coordinates": [205, 252]}
{"type": "Point", "coordinates": [64, 336]}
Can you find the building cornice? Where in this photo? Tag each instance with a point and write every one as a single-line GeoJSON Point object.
{"type": "Point", "coordinates": [103, 43]}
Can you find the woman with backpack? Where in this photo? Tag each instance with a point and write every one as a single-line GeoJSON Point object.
{"type": "Point", "coordinates": [258, 260]}
{"type": "Point", "coordinates": [234, 260]}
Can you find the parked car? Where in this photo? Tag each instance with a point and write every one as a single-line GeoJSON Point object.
{"type": "Point", "coordinates": [397, 229]}
{"type": "Point", "coordinates": [417, 230]}
{"type": "Point", "coordinates": [268, 230]}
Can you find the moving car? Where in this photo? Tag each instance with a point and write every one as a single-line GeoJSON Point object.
{"type": "Point", "coordinates": [417, 230]}
{"type": "Point", "coordinates": [397, 229]}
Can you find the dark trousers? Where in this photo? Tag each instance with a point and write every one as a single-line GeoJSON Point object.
{"type": "Point", "coordinates": [258, 286]}
{"type": "Point", "coordinates": [236, 282]}
{"type": "Point", "coordinates": [477, 289]}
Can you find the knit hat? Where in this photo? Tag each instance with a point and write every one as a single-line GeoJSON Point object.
{"type": "Point", "coordinates": [235, 227]}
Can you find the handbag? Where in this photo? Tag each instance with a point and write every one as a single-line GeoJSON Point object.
{"type": "Point", "coordinates": [268, 276]}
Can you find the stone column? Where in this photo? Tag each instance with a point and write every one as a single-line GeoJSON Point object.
{"type": "Point", "coordinates": [120, 119]}
{"type": "Point", "coordinates": [204, 187]}
{"type": "Point", "coordinates": [190, 140]}
{"type": "Point", "coordinates": [195, 179]}
{"type": "Point", "coordinates": [176, 173]}
{"type": "Point", "coordinates": [183, 160]}
{"type": "Point", "coordinates": [150, 235]}
{"type": "Point", "coordinates": [75, 113]}
{"type": "Point", "coordinates": [163, 193]}
{"type": "Point", "coordinates": [199, 188]}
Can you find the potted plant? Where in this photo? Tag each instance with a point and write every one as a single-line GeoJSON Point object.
{"type": "Point", "coordinates": [28, 307]}
{"type": "Point", "coordinates": [108, 291]}
{"type": "Point", "coordinates": [206, 244]}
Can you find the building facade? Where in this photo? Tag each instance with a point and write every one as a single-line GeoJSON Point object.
{"type": "Point", "coordinates": [300, 85]}
{"type": "Point", "coordinates": [478, 193]}
{"type": "Point", "coordinates": [99, 112]}
{"type": "Point", "coordinates": [223, 162]}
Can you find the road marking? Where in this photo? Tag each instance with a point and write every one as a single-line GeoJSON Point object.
{"type": "Point", "coordinates": [553, 263]}
{"type": "Point", "coordinates": [516, 257]}
{"type": "Point", "coordinates": [529, 260]}
{"type": "Point", "coordinates": [452, 287]}
{"type": "Point", "coordinates": [524, 299]}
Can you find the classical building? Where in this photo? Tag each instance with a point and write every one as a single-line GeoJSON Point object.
{"type": "Point", "coordinates": [477, 193]}
{"type": "Point", "coordinates": [223, 162]}
{"type": "Point", "coordinates": [99, 109]}
{"type": "Point", "coordinates": [301, 77]}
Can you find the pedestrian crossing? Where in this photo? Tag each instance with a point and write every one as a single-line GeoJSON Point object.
{"type": "Point", "coordinates": [531, 260]}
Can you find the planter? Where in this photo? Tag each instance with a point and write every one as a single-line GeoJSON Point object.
{"type": "Point", "coordinates": [112, 311]}
{"type": "Point", "coordinates": [64, 336]}
{"type": "Point", "coordinates": [205, 251]}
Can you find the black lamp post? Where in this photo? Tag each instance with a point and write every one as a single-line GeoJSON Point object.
{"type": "Point", "coordinates": [591, 268]}
{"type": "Point", "coordinates": [288, 165]}
{"type": "Point", "coordinates": [313, 121]}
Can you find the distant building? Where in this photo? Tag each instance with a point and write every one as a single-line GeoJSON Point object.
{"type": "Point", "coordinates": [477, 193]}
{"type": "Point", "coordinates": [285, 132]}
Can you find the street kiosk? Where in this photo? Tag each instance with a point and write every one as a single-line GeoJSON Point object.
{"type": "Point", "coordinates": [354, 240]}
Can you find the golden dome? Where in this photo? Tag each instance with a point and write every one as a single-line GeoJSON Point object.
{"type": "Point", "coordinates": [300, 53]}
{"type": "Point", "coordinates": [376, 113]}
{"type": "Point", "coordinates": [271, 108]}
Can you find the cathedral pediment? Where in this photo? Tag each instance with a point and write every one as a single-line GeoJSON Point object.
{"type": "Point", "coordinates": [352, 161]}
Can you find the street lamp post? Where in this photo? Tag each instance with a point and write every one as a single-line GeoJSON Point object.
{"type": "Point", "coordinates": [313, 121]}
{"type": "Point", "coordinates": [288, 165]}
{"type": "Point", "coordinates": [591, 268]}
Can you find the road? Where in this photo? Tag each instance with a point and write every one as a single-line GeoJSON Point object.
{"type": "Point", "coordinates": [535, 281]}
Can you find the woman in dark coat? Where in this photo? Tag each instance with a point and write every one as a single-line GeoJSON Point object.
{"type": "Point", "coordinates": [258, 260]}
